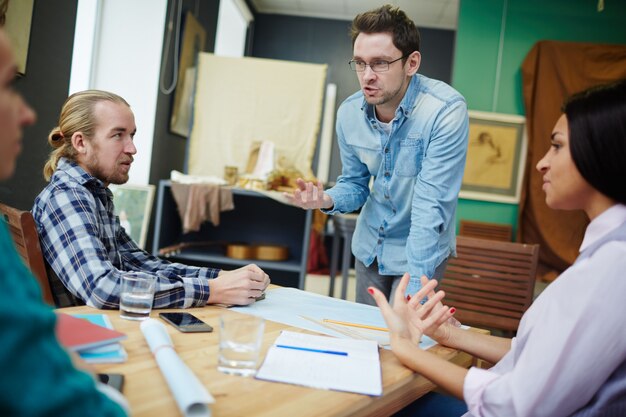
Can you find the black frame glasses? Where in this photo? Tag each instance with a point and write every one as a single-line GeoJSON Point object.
{"type": "Point", "coordinates": [379, 65]}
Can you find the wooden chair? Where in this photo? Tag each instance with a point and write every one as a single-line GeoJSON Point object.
{"type": "Point", "coordinates": [491, 283]}
{"type": "Point", "coordinates": [22, 227]}
{"type": "Point", "coordinates": [483, 230]}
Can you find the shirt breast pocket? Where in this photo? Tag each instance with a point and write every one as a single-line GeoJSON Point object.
{"type": "Point", "coordinates": [410, 155]}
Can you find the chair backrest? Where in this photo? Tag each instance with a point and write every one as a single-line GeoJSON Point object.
{"type": "Point", "coordinates": [24, 232]}
{"type": "Point", "coordinates": [483, 230]}
{"type": "Point", "coordinates": [490, 283]}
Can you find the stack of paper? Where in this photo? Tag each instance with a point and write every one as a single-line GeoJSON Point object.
{"type": "Point", "coordinates": [324, 362]}
{"type": "Point", "coordinates": [326, 315]}
{"type": "Point", "coordinates": [92, 336]}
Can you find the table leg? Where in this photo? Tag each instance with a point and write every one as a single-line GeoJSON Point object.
{"type": "Point", "coordinates": [345, 265]}
{"type": "Point", "coordinates": [334, 259]}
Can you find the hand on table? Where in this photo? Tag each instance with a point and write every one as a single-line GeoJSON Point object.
{"type": "Point", "coordinates": [238, 287]}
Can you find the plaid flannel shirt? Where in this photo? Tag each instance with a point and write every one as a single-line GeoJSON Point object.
{"type": "Point", "coordinates": [84, 244]}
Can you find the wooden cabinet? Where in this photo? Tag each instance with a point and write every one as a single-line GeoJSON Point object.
{"type": "Point", "coordinates": [256, 219]}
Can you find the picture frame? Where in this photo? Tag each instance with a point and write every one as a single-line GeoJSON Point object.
{"type": "Point", "coordinates": [496, 157]}
{"type": "Point", "coordinates": [16, 17]}
{"type": "Point", "coordinates": [194, 39]}
{"type": "Point", "coordinates": [133, 206]}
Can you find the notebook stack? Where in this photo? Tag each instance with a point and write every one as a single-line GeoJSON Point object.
{"type": "Point", "coordinates": [92, 336]}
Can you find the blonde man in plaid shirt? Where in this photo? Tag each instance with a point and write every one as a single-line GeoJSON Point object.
{"type": "Point", "coordinates": [81, 237]}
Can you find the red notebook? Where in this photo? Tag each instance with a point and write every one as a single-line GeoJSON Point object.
{"type": "Point", "coordinates": [79, 334]}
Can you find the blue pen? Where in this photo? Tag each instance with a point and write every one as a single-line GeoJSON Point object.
{"type": "Point", "coordinates": [330, 352]}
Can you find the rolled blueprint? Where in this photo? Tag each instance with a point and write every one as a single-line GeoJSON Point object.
{"type": "Point", "coordinates": [191, 396]}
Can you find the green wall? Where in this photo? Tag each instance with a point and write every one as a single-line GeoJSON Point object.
{"type": "Point", "coordinates": [520, 24]}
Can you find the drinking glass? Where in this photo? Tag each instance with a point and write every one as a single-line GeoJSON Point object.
{"type": "Point", "coordinates": [241, 336]}
{"type": "Point", "coordinates": [136, 295]}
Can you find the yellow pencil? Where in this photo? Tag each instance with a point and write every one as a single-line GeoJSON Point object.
{"type": "Point", "coordinates": [363, 326]}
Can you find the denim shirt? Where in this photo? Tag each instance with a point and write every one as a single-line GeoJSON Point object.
{"type": "Point", "coordinates": [407, 220]}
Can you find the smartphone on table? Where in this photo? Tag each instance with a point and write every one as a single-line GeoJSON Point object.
{"type": "Point", "coordinates": [186, 322]}
{"type": "Point", "coordinates": [114, 380]}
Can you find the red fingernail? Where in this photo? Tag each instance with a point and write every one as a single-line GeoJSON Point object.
{"type": "Point", "coordinates": [452, 310]}
{"type": "Point", "coordinates": [408, 297]}
{"type": "Point", "coordinates": [370, 290]}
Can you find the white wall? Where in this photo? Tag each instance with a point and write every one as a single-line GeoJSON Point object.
{"type": "Point", "coordinates": [85, 38]}
{"type": "Point", "coordinates": [232, 27]}
{"type": "Point", "coordinates": [126, 60]}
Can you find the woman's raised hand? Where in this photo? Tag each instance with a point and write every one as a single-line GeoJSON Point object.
{"type": "Point", "coordinates": [408, 319]}
{"type": "Point", "coordinates": [432, 318]}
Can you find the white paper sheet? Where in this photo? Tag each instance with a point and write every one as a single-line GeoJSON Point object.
{"type": "Point", "coordinates": [304, 359]}
{"type": "Point", "coordinates": [191, 396]}
{"type": "Point", "coordinates": [307, 310]}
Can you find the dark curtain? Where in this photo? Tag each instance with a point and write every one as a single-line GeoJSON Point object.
{"type": "Point", "coordinates": [551, 72]}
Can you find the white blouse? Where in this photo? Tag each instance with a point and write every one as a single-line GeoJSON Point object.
{"type": "Point", "coordinates": [569, 342]}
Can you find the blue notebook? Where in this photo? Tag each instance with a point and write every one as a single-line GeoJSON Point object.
{"type": "Point", "coordinates": [111, 353]}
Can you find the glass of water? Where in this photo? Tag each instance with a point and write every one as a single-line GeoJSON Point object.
{"type": "Point", "coordinates": [241, 336]}
{"type": "Point", "coordinates": [136, 295]}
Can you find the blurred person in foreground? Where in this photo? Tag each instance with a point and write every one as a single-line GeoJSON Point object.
{"type": "Point", "coordinates": [38, 376]}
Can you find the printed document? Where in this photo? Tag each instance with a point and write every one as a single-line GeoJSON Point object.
{"type": "Point", "coordinates": [324, 362]}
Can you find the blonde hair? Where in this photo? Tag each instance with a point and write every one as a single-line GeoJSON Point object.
{"type": "Point", "coordinates": [77, 115]}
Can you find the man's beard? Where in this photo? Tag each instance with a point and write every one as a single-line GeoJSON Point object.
{"type": "Point", "coordinates": [386, 97]}
{"type": "Point", "coordinates": [116, 177]}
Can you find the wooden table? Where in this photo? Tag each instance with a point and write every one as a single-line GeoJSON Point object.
{"type": "Point", "coordinates": [148, 393]}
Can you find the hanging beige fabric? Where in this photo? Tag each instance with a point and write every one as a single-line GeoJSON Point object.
{"type": "Point", "coordinates": [240, 101]}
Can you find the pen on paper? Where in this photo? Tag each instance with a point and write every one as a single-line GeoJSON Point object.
{"type": "Point", "coordinates": [363, 326]}
{"type": "Point", "coordinates": [330, 352]}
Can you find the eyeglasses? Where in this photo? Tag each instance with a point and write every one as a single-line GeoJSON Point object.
{"type": "Point", "coordinates": [376, 66]}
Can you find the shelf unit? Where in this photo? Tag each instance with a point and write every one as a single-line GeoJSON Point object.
{"type": "Point", "coordinates": [256, 219]}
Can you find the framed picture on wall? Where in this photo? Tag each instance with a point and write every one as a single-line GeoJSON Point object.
{"type": "Point", "coordinates": [193, 43]}
{"type": "Point", "coordinates": [16, 17]}
{"type": "Point", "coordinates": [133, 205]}
{"type": "Point", "coordinates": [496, 157]}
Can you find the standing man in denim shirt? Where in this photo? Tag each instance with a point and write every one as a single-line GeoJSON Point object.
{"type": "Point", "coordinates": [409, 133]}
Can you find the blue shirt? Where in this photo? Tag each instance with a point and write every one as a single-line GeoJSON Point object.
{"type": "Point", "coordinates": [407, 220]}
{"type": "Point", "coordinates": [85, 245]}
